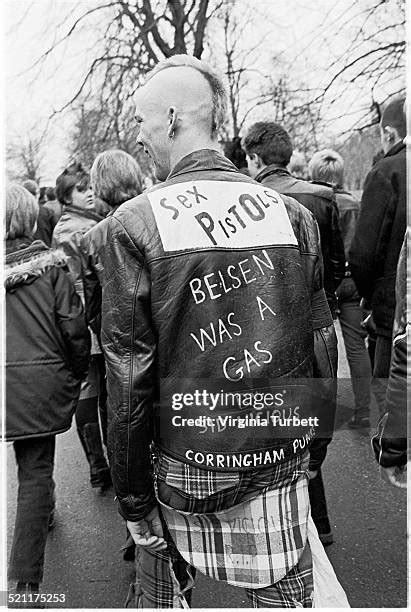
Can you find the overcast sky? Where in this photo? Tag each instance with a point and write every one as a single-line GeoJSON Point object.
{"type": "Point", "coordinates": [32, 25]}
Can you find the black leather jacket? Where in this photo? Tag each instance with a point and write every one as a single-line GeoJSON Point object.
{"type": "Point", "coordinates": [93, 245]}
{"type": "Point", "coordinates": [320, 200]}
{"type": "Point", "coordinates": [211, 282]}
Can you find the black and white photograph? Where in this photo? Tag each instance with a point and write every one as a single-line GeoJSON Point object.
{"type": "Point", "coordinates": [205, 317]}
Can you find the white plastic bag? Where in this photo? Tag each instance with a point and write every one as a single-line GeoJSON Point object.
{"type": "Point", "coordinates": [328, 592]}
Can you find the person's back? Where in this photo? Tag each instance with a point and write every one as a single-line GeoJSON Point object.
{"type": "Point", "coordinates": [328, 165]}
{"type": "Point", "coordinates": [212, 292]}
{"type": "Point", "coordinates": [378, 238]}
{"type": "Point", "coordinates": [374, 258]}
{"type": "Point", "coordinates": [68, 233]}
{"type": "Point", "coordinates": [47, 348]}
{"type": "Point", "coordinates": [35, 285]}
{"type": "Point", "coordinates": [233, 302]}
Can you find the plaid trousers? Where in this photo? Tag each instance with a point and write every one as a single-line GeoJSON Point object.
{"type": "Point", "coordinates": [235, 527]}
{"type": "Point", "coordinates": [164, 580]}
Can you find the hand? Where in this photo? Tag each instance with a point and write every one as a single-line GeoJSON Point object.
{"type": "Point", "coordinates": [148, 532]}
{"type": "Point", "coordinates": [312, 474]}
{"type": "Point", "coordinates": [395, 475]}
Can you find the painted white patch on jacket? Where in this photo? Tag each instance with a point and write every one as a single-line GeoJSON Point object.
{"type": "Point", "coordinates": [202, 214]}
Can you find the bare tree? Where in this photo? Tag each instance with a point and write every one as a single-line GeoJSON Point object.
{"type": "Point", "coordinates": [133, 36]}
{"type": "Point", "coordinates": [24, 158]}
{"type": "Point", "coordinates": [367, 61]}
{"type": "Point", "coordinates": [358, 152]}
{"type": "Point", "coordinates": [94, 132]}
{"type": "Point", "coordinates": [238, 61]}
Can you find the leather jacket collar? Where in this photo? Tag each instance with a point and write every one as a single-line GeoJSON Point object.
{"type": "Point", "coordinates": [204, 159]}
{"type": "Point", "coordinates": [271, 169]}
{"type": "Point", "coordinates": [82, 212]}
{"type": "Point", "coordinates": [395, 149]}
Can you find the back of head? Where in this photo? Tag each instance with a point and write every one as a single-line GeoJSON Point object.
{"type": "Point", "coordinates": [31, 186]}
{"type": "Point", "coordinates": [234, 152]}
{"type": "Point", "coordinates": [393, 116]}
{"type": "Point", "coordinates": [116, 177]}
{"type": "Point", "coordinates": [50, 194]}
{"type": "Point", "coordinates": [214, 80]}
{"type": "Point", "coordinates": [21, 212]}
{"type": "Point", "coordinates": [328, 166]}
{"type": "Point", "coordinates": [73, 176]}
{"type": "Point", "coordinates": [270, 141]}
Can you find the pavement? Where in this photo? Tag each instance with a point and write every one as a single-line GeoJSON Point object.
{"type": "Point", "coordinates": [368, 517]}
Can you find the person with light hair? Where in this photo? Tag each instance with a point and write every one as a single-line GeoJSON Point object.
{"type": "Point", "coordinates": [115, 178]}
{"type": "Point", "coordinates": [327, 166]}
{"type": "Point", "coordinates": [193, 305]}
{"type": "Point", "coordinates": [22, 211]}
{"type": "Point", "coordinates": [47, 351]}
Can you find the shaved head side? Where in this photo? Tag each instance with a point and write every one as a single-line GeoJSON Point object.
{"type": "Point", "coordinates": [198, 86]}
{"type": "Point", "coordinates": [179, 110]}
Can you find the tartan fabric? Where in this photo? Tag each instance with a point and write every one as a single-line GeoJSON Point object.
{"type": "Point", "coordinates": [249, 532]}
{"type": "Point", "coordinates": [295, 590]}
{"type": "Point", "coordinates": [195, 490]}
{"type": "Point", "coordinates": [155, 587]}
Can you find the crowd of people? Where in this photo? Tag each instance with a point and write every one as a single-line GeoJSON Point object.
{"type": "Point", "coordinates": [225, 277]}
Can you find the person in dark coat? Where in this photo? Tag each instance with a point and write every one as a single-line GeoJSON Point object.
{"type": "Point", "coordinates": [79, 215]}
{"type": "Point", "coordinates": [328, 166]}
{"type": "Point", "coordinates": [378, 238]}
{"type": "Point", "coordinates": [269, 148]}
{"type": "Point", "coordinates": [48, 347]}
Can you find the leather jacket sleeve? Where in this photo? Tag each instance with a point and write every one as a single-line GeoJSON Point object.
{"type": "Point", "coordinates": [325, 358]}
{"type": "Point", "coordinates": [130, 349]}
{"type": "Point", "coordinates": [92, 295]}
{"type": "Point", "coordinates": [324, 391]}
{"type": "Point", "coordinates": [71, 321]}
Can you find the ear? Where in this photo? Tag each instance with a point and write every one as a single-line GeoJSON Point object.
{"type": "Point", "coordinates": [390, 133]}
{"type": "Point", "coordinates": [172, 122]}
{"type": "Point", "coordinates": [256, 160]}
